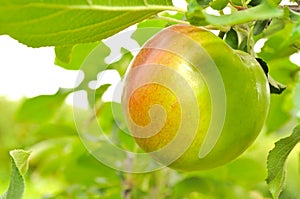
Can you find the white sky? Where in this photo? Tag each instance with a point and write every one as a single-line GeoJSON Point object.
{"type": "Point", "coordinates": [29, 72]}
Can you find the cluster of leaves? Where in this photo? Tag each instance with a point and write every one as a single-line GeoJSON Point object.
{"type": "Point", "coordinates": [76, 30]}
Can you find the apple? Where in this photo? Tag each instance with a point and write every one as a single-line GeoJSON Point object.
{"type": "Point", "coordinates": [191, 101]}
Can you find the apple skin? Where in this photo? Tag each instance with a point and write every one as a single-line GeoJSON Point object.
{"type": "Point", "coordinates": [246, 101]}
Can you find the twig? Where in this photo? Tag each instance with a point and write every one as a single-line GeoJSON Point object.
{"type": "Point", "coordinates": [127, 181]}
{"type": "Point", "coordinates": [295, 8]}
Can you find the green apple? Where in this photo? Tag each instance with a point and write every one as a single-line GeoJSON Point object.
{"type": "Point", "coordinates": [191, 101]}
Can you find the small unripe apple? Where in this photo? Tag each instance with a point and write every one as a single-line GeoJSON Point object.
{"type": "Point", "coordinates": [191, 101]}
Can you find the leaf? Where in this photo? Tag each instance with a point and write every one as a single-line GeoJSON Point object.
{"type": "Point", "coordinates": [232, 38]}
{"type": "Point", "coordinates": [19, 159]}
{"type": "Point", "coordinates": [275, 87]}
{"type": "Point", "coordinates": [146, 29]}
{"type": "Point", "coordinates": [195, 14]}
{"type": "Point", "coordinates": [202, 3]}
{"type": "Point", "coordinates": [41, 108]}
{"type": "Point", "coordinates": [92, 65]}
{"type": "Point", "coordinates": [279, 112]}
{"type": "Point", "coordinates": [62, 23]}
{"type": "Point", "coordinates": [295, 34]}
{"type": "Point", "coordinates": [255, 2]}
{"type": "Point", "coordinates": [263, 11]}
{"type": "Point", "coordinates": [243, 44]}
{"type": "Point", "coordinates": [219, 4]}
{"type": "Point", "coordinates": [101, 90]}
{"type": "Point", "coordinates": [122, 65]}
{"type": "Point", "coordinates": [275, 26]}
{"type": "Point", "coordinates": [276, 162]}
{"type": "Point", "coordinates": [259, 26]}
{"type": "Point", "coordinates": [73, 58]}
{"type": "Point", "coordinates": [63, 53]}
{"type": "Point", "coordinates": [51, 130]}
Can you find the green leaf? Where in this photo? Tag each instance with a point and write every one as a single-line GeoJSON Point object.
{"type": "Point", "coordinates": [195, 14]}
{"type": "Point", "coordinates": [92, 65]}
{"type": "Point", "coordinates": [63, 53]}
{"type": "Point", "coordinates": [45, 157]}
{"type": "Point", "coordinates": [276, 52]}
{"type": "Point", "coordinates": [255, 2]}
{"type": "Point", "coordinates": [279, 112]}
{"type": "Point", "coordinates": [41, 108]}
{"type": "Point", "coordinates": [232, 38]}
{"type": "Point", "coordinates": [275, 26]}
{"type": "Point", "coordinates": [295, 34]}
{"type": "Point", "coordinates": [122, 65]}
{"type": "Point", "coordinates": [219, 4]}
{"type": "Point", "coordinates": [259, 26]}
{"type": "Point", "coordinates": [73, 57]}
{"type": "Point", "coordinates": [203, 3]}
{"type": "Point", "coordinates": [19, 159]}
{"type": "Point", "coordinates": [263, 11]}
{"type": "Point", "coordinates": [277, 159]}
{"type": "Point", "coordinates": [62, 23]}
{"type": "Point", "coordinates": [294, 16]}
{"type": "Point", "coordinates": [243, 44]}
{"type": "Point", "coordinates": [146, 29]}
{"type": "Point", "coordinates": [275, 87]}
{"type": "Point", "coordinates": [101, 90]}
{"type": "Point", "coordinates": [51, 130]}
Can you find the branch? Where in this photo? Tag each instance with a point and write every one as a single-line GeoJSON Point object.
{"type": "Point", "coordinates": [295, 8]}
{"type": "Point", "coordinates": [127, 181]}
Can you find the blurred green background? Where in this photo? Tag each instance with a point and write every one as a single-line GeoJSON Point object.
{"type": "Point", "coordinates": [60, 166]}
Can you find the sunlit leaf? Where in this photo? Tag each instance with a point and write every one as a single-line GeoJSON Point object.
{"type": "Point", "coordinates": [52, 130]}
{"type": "Point", "coordinates": [219, 4]}
{"type": "Point", "coordinates": [279, 112]}
{"type": "Point", "coordinates": [261, 12]}
{"type": "Point", "coordinates": [275, 25]}
{"type": "Point", "coordinates": [295, 34]}
{"type": "Point", "coordinates": [101, 90]}
{"type": "Point", "coordinates": [41, 108]}
{"type": "Point", "coordinates": [92, 65]}
{"type": "Point", "coordinates": [73, 58]}
{"type": "Point", "coordinates": [19, 159]}
{"type": "Point", "coordinates": [195, 14]}
{"type": "Point", "coordinates": [112, 122]}
{"type": "Point", "coordinates": [277, 159]}
{"type": "Point", "coordinates": [145, 30]}
{"type": "Point", "coordinates": [52, 23]}
{"type": "Point", "coordinates": [63, 53]}
{"type": "Point", "coordinates": [122, 65]}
